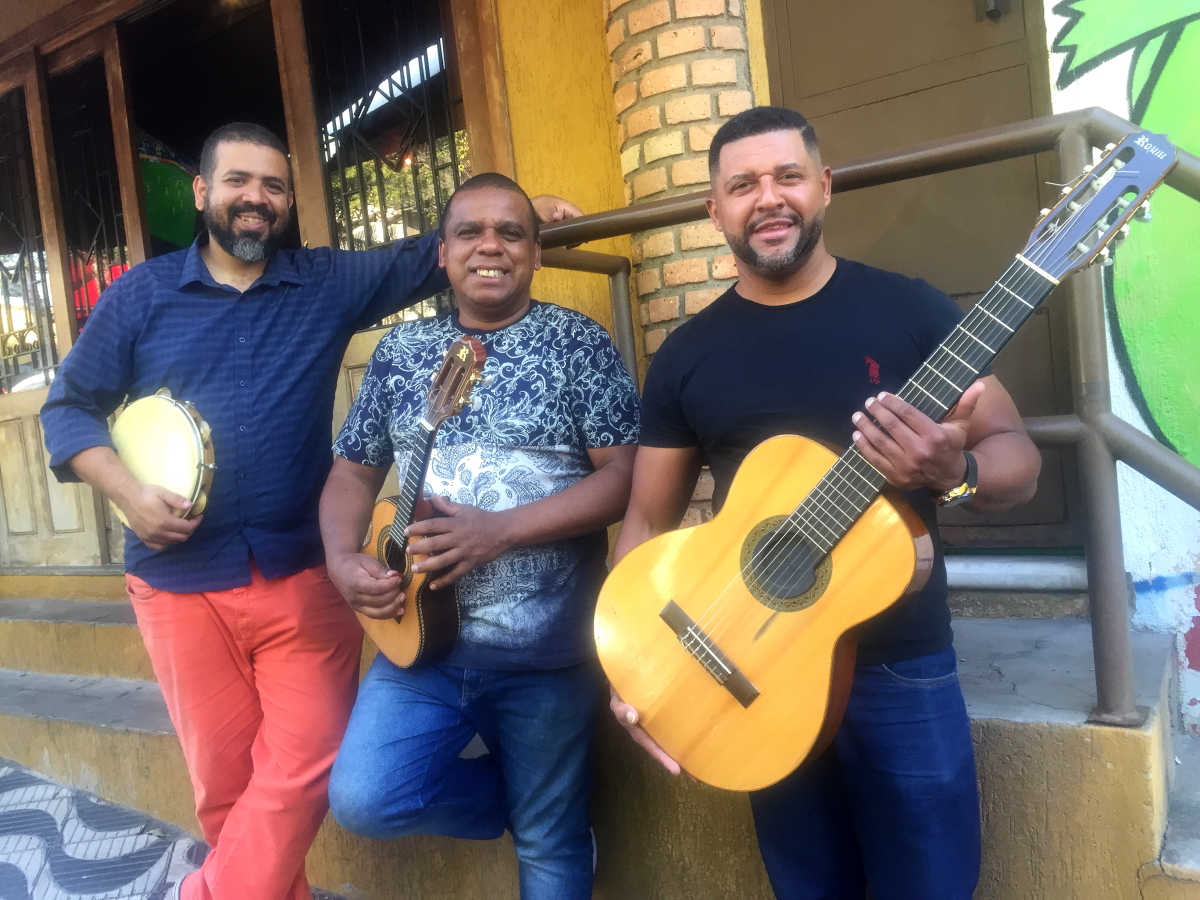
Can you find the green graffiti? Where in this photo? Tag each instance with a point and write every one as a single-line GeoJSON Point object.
{"type": "Point", "coordinates": [1155, 283]}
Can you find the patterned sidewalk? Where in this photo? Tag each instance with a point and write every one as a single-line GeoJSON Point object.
{"type": "Point", "coordinates": [61, 843]}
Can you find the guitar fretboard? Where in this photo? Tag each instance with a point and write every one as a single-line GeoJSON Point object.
{"type": "Point", "coordinates": [852, 483]}
{"type": "Point", "coordinates": [413, 482]}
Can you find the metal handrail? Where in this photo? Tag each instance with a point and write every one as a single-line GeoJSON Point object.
{"type": "Point", "coordinates": [1099, 436]}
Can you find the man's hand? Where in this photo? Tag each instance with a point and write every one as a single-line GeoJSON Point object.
{"type": "Point", "coordinates": [910, 449]}
{"type": "Point", "coordinates": [628, 717]}
{"type": "Point", "coordinates": [369, 586]}
{"type": "Point", "coordinates": [150, 510]}
{"type": "Point", "coordinates": [464, 538]}
{"type": "Point", "coordinates": [554, 209]}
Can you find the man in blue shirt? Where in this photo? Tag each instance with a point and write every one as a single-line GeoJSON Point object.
{"type": "Point", "coordinates": [525, 486]}
{"type": "Point", "coordinates": [255, 651]}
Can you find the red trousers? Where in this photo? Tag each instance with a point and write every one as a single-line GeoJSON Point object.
{"type": "Point", "coordinates": [259, 681]}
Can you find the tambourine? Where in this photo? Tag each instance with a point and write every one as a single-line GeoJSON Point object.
{"type": "Point", "coordinates": [164, 441]}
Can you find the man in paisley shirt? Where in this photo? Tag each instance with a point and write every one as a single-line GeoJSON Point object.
{"type": "Point", "coordinates": [525, 484]}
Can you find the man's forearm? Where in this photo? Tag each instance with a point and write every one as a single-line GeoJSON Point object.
{"type": "Point", "coordinates": [1009, 464]}
{"type": "Point", "coordinates": [346, 504]}
{"type": "Point", "coordinates": [102, 469]}
{"type": "Point", "coordinates": [589, 505]}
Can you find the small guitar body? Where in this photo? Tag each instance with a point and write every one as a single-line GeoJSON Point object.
{"type": "Point", "coordinates": [429, 626]}
{"type": "Point", "coordinates": [797, 653]}
{"type": "Point", "coordinates": [734, 640]}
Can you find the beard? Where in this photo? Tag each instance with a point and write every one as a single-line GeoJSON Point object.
{"type": "Point", "coordinates": [249, 248]}
{"type": "Point", "coordinates": [784, 261]}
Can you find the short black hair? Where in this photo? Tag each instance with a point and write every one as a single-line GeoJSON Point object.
{"type": "Point", "coordinates": [760, 120]}
{"type": "Point", "coordinates": [239, 133]}
{"type": "Point", "coordinates": [489, 180]}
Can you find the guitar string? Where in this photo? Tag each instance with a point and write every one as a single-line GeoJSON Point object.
{"type": "Point", "coordinates": [824, 503]}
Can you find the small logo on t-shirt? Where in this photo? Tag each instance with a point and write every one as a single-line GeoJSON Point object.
{"type": "Point", "coordinates": [872, 370]}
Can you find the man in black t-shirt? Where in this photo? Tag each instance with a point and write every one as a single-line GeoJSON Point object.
{"type": "Point", "coordinates": [806, 343]}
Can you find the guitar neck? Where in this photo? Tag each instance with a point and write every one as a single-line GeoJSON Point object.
{"type": "Point", "coordinates": [414, 480]}
{"type": "Point", "coordinates": [852, 484]}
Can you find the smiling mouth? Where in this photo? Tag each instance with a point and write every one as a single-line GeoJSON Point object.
{"type": "Point", "coordinates": [775, 225]}
{"type": "Point", "coordinates": [489, 273]}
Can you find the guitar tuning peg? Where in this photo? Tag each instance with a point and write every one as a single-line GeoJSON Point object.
{"type": "Point", "coordinates": [476, 404]}
{"type": "Point", "coordinates": [1087, 169]}
{"type": "Point", "coordinates": [1045, 212]}
{"type": "Point", "coordinates": [487, 381]}
{"type": "Point", "coordinates": [1122, 232]}
{"type": "Point", "coordinates": [1109, 148]}
{"type": "Point", "coordinates": [1143, 212]}
{"type": "Point", "coordinates": [1104, 257]}
{"type": "Point", "coordinates": [1066, 189]}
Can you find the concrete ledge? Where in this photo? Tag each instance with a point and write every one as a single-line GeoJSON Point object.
{"type": "Point", "coordinates": [113, 703]}
{"type": "Point", "coordinates": [72, 637]}
{"type": "Point", "coordinates": [67, 582]}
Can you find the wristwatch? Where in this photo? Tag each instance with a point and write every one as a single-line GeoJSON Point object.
{"type": "Point", "coordinates": [965, 491]}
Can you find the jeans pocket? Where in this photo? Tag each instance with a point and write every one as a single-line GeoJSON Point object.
{"type": "Point", "coordinates": [924, 671]}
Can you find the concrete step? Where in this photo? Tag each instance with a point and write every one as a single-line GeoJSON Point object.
{"type": "Point", "coordinates": [72, 637]}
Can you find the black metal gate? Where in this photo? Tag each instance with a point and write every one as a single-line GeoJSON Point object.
{"type": "Point", "coordinates": [28, 355]}
{"type": "Point", "coordinates": [392, 134]}
{"type": "Point", "coordinates": [87, 177]}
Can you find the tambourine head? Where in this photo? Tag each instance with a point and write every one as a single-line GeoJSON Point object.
{"type": "Point", "coordinates": [161, 443]}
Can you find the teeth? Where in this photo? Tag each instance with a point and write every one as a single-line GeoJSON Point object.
{"type": "Point", "coordinates": [488, 273]}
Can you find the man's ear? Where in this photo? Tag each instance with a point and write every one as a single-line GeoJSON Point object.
{"type": "Point", "coordinates": [441, 253]}
{"type": "Point", "coordinates": [291, 199]}
{"type": "Point", "coordinates": [827, 184]}
{"type": "Point", "coordinates": [711, 205]}
{"type": "Point", "coordinates": [199, 191]}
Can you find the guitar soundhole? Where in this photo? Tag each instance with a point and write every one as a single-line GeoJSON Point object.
{"type": "Point", "coordinates": [394, 556]}
{"type": "Point", "coordinates": [777, 567]}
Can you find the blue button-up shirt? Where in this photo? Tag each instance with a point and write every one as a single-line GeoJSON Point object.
{"type": "Point", "coordinates": [261, 367]}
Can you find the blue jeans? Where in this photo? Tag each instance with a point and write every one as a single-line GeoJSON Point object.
{"type": "Point", "coordinates": [399, 771]}
{"type": "Point", "coordinates": [892, 803]}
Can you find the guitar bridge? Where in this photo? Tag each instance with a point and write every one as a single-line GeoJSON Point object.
{"type": "Point", "coordinates": [708, 654]}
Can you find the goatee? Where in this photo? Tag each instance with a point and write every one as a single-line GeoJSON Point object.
{"type": "Point", "coordinates": [246, 247]}
{"type": "Point", "coordinates": [782, 262]}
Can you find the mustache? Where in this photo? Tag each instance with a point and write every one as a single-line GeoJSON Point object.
{"type": "Point", "coordinates": [787, 215]}
{"type": "Point", "coordinates": [259, 209]}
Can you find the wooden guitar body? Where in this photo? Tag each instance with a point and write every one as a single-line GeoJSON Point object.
{"type": "Point", "coordinates": [428, 627]}
{"type": "Point", "coordinates": [798, 656]}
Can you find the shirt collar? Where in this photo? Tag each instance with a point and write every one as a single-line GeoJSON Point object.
{"type": "Point", "coordinates": [280, 268]}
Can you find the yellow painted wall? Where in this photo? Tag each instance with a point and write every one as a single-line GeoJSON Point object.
{"type": "Point", "coordinates": [564, 127]}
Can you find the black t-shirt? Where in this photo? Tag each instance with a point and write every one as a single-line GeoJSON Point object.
{"type": "Point", "coordinates": [740, 372]}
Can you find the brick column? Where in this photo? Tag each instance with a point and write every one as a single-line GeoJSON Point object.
{"type": "Point", "coordinates": [679, 69]}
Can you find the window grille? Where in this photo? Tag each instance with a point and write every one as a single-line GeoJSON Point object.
{"type": "Point", "coordinates": [394, 144]}
{"type": "Point", "coordinates": [87, 177]}
{"type": "Point", "coordinates": [28, 356]}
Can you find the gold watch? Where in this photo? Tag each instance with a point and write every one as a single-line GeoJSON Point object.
{"type": "Point", "coordinates": [963, 492]}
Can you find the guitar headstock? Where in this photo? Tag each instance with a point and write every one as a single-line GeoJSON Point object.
{"type": "Point", "coordinates": [1096, 208]}
{"type": "Point", "coordinates": [455, 382]}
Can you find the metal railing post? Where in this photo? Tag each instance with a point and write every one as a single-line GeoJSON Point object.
{"type": "Point", "coordinates": [1108, 590]}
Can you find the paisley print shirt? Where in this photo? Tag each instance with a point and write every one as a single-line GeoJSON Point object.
{"type": "Point", "coordinates": [554, 386]}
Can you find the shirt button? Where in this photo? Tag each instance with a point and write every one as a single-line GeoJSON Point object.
{"type": "Point", "coordinates": [241, 340]}
{"type": "Point", "coordinates": [241, 428]}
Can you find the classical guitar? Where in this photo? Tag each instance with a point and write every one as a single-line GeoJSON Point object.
{"type": "Point", "coordinates": [428, 627]}
{"type": "Point", "coordinates": [735, 639]}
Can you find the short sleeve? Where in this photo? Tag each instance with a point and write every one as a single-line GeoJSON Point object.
{"type": "Point", "coordinates": [942, 315]}
{"type": "Point", "coordinates": [663, 421]}
{"type": "Point", "coordinates": [604, 400]}
{"type": "Point", "coordinates": [365, 438]}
